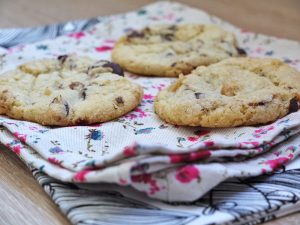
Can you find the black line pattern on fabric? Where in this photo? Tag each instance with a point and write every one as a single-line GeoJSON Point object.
{"type": "Point", "coordinates": [106, 207]}
{"type": "Point", "coordinates": [249, 201]}
{"type": "Point", "coordinates": [11, 37]}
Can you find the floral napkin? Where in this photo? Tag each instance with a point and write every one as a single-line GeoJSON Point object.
{"type": "Point", "coordinates": [138, 149]}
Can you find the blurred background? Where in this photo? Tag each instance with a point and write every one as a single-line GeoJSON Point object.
{"type": "Point", "coordinates": [280, 18]}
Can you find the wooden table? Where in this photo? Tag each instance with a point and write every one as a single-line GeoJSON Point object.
{"type": "Point", "coordinates": [23, 201]}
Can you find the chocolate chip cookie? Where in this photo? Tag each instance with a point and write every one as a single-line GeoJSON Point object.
{"type": "Point", "coordinates": [234, 92]}
{"type": "Point", "coordinates": [169, 50]}
{"type": "Point", "coordinates": [68, 90]}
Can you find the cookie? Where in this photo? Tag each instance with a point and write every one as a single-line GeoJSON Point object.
{"type": "Point", "coordinates": [69, 90]}
{"type": "Point", "coordinates": [234, 92]}
{"type": "Point", "coordinates": [166, 50]}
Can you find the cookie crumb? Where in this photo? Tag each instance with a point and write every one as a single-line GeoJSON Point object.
{"type": "Point", "coordinates": [116, 69]}
{"type": "Point", "coordinates": [83, 93]}
{"type": "Point", "coordinates": [241, 51]}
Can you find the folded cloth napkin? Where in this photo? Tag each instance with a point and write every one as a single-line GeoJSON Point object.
{"type": "Point", "coordinates": [139, 149]}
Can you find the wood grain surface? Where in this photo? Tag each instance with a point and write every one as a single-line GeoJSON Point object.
{"type": "Point", "coordinates": [22, 200]}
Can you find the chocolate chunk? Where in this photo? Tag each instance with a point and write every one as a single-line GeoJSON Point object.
{"type": "Point", "coordinates": [173, 64]}
{"type": "Point", "coordinates": [257, 104]}
{"type": "Point", "coordinates": [115, 68]}
{"type": "Point", "coordinates": [136, 34]}
{"type": "Point", "coordinates": [198, 94]}
{"type": "Point", "coordinates": [146, 30]}
{"type": "Point", "coordinates": [83, 93]}
{"type": "Point", "coordinates": [173, 27]}
{"type": "Point", "coordinates": [59, 100]}
{"type": "Point", "coordinates": [168, 37]}
{"type": "Point", "coordinates": [75, 85]}
{"type": "Point", "coordinates": [119, 100]}
{"type": "Point", "coordinates": [169, 54]}
{"type": "Point", "coordinates": [81, 121]}
{"type": "Point", "coordinates": [67, 108]}
{"type": "Point", "coordinates": [241, 51]}
{"type": "Point", "coordinates": [62, 58]}
{"type": "Point", "coordinates": [294, 106]}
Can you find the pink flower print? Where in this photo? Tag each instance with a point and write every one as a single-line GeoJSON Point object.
{"type": "Point", "coordinates": [264, 171]}
{"type": "Point", "coordinates": [17, 149]}
{"type": "Point", "coordinates": [33, 128]}
{"type": "Point", "coordinates": [177, 158]}
{"type": "Point", "coordinates": [81, 175]}
{"type": "Point", "coordinates": [147, 179]}
{"type": "Point", "coordinates": [148, 96]}
{"type": "Point", "coordinates": [193, 139]}
{"type": "Point", "coordinates": [199, 155]}
{"type": "Point", "coordinates": [129, 151]}
{"type": "Point", "coordinates": [259, 50]}
{"type": "Point", "coordinates": [103, 48]}
{"type": "Point", "coordinates": [291, 148]}
{"type": "Point", "coordinates": [17, 48]}
{"type": "Point", "coordinates": [264, 130]}
{"type": "Point", "coordinates": [110, 41]}
{"type": "Point", "coordinates": [251, 143]}
{"type": "Point", "coordinates": [169, 16]}
{"type": "Point", "coordinates": [276, 163]}
{"type": "Point", "coordinates": [131, 116]}
{"type": "Point", "coordinates": [159, 87]}
{"type": "Point", "coordinates": [209, 143]}
{"type": "Point", "coordinates": [77, 35]}
{"type": "Point", "coordinates": [292, 62]}
{"type": "Point", "coordinates": [199, 134]}
{"type": "Point", "coordinates": [141, 113]}
{"type": "Point", "coordinates": [123, 181]}
{"type": "Point", "coordinates": [153, 18]}
{"type": "Point", "coordinates": [54, 161]}
{"type": "Point", "coordinates": [21, 137]}
{"type": "Point", "coordinates": [189, 157]}
{"type": "Point", "coordinates": [187, 174]}
{"type": "Point", "coordinates": [258, 130]}
{"type": "Point", "coordinates": [277, 153]}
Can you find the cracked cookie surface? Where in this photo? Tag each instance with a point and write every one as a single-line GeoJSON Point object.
{"type": "Point", "coordinates": [69, 90]}
{"type": "Point", "coordinates": [169, 50]}
{"type": "Point", "coordinates": [234, 92]}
